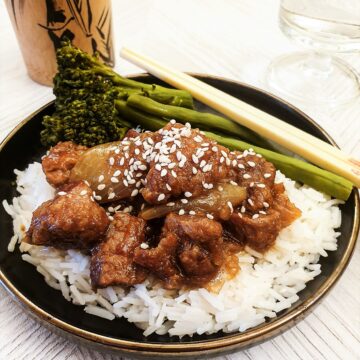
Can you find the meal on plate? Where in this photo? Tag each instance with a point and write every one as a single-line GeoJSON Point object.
{"type": "Point", "coordinates": [146, 209]}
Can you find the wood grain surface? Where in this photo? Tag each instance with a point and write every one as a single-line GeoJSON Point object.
{"type": "Point", "coordinates": [235, 39]}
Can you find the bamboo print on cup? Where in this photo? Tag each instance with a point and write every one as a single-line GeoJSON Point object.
{"type": "Point", "coordinates": [41, 26]}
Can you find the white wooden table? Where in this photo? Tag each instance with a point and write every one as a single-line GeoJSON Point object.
{"type": "Point", "coordinates": [235, 39]}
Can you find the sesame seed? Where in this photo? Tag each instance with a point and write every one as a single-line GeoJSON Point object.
{"type": "Point", "coordinates": [117, 151]}
{"type": "Point", "coordinates": [260, 185]}
{"type": "Point", "coordinates": [184, 201]}
{"type": "Point", "coordinates": [83, 192]}
{"type": "Point", "coordinates": [194, 171]}
{"type": "Point", "coordinates": [229, 204]}
{"type": "Point", "coordinates": [227, 161]}
{"type": "Point", "coordinates": [259, 155]}
{"type": "Point", "coordinates": [262, 212]}
{"type": "Point", "coordinates": [222, 159]}
{"type": "Point", "coordinates": [220, 188]}
{"type": "Point", "coordinates": [252, 184]}
{"type": "Point", "coordinates": [234, 163]}
{"type": "Point", "coordinates": [117, 173]}
{"type": "Point", "coordinates": [125, 183]}
{"type": "Point", "coordinates": [210, 186]}
{"type": "Point", "coordinates": [178, 155]}
{"type": "Point", "coordinates": [251, 163]}
{"type": "Point", "coordinates": [188, 194]}
{"type": "Point", "coordinates": [173, 148]}
{"type": "Point", "coordinates": [192, 212]}
{"type": "Point", "coordinates": [101, 187]}
{"type": "Point", "coordinates": [223, 153]}
{"type": "Point", "coordinates": [97, 197]}
{"type": "Point", "coordinates": [250, 202]}
{"type": "Point", "coordinates": [61, 193]}
{"type": "Point", "coordinates": [198, 139]}
{"type": "Point", "coordinates": [214, 148]}
{"type": "Point", "coordinates": [161, 197]}
{"type": "Point", "coordinates": [202, 163]}
{"type": "Point", "coordinates": [111, 196]}
{"type": "Point", "coordinates": [195, 159]}
{"type": "Point", "coordinates": [150, 141]}
{"type": "Point", "coordinates": [266, 204]}
{"type": "Point", "coordinates": [246, 176]}
{"type": "Point", "coordinates": [130, 181]}
{"type": "Point", "coordinates": [209, 216]}
{"type": "Point", "coordinates": [134, 192]}
{"type": "Point", "coordinates": [142, 167]}
{"type": "Point", "coordinates": [168, 187]}
{"type": "Point", "coordinates": [110, 218]}
{"type": "Point", "coordinates": [255, 216]}
{"type": "Point", "coordinates": [171, 165]}
{"type": "Point", "coordinates": [87, 183]}
{"type": "Point", "coordinates": [181, 163]}
{"type": "Point", "coordinates": [267, 175]}
{"type": "Point", "coordinates": [121, 162]}
{"type": "Point", "coordinates": [240, 215]}
{"type": "Point", "coordinates": [111, 161]}
{"type": "Point", "coordinates": [163, 172]}
{"type": "Point", "coordinates": [144, 246]}
{"type": "Point", "coordinates": [172, 121]}
{"type": "Point", "coordinates": [170, 204]}
{"type": "Point", "coordinates": [233, 183]}
{"type": "Point", "coordinates": [181, 212]}
{"type": "Point", "coordinates": [173, 173]}
{"type": "Point", "coordinates": [114, 180]}
{"type": "Point", "coordinates": [241, 166]}
{"type": "Point", "coordinates": [101, 178]}
{"type": "Point", "coordinates": [111, 209]}
{"type": "Point", "coordinates": [243, 209]}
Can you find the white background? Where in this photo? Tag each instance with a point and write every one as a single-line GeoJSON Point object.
{"type": "Point", "coordinates": [235, 39]}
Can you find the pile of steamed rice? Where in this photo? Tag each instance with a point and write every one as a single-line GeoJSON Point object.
{"type": "Point", "coordinates": [265, 285]}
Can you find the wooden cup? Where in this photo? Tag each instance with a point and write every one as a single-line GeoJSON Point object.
{"type": "Point", "coordinates": [41, 25]}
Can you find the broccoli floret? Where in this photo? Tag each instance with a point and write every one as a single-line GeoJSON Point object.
{"type": "Point", "coordinates": [85, 109]}
{"type": "Point", "coordinates": [86, 91]}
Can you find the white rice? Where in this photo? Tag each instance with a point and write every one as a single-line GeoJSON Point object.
{"type": "Point", "coordinates": [265, 285]}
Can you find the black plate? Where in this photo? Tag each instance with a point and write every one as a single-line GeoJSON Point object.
{"type": "Point", "coordinates": [22, 146]}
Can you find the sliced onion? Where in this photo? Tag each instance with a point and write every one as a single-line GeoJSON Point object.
{"type": "Point", "coordinates": [215, 202]}
{"type": "Point", "coordinates": [95, 162]}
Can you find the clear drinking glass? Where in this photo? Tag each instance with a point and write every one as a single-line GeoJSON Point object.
{"type": "Point", "coordinates": [317, 76]}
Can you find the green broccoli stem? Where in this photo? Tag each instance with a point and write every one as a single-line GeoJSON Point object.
{"type": "Point", "coordinates": [295, 169]}
{"type": "Point", "coordinates": [158, 95]}
{"type": "Point", "coordinates": [128, 83]}
{"type": "Point", "coordinates": [146, 121]}
{"type": "Point", "coordinates": [202, 120]}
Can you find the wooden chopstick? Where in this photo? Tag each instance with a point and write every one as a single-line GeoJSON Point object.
{"type": "Point", "coordinates": [296, 140]}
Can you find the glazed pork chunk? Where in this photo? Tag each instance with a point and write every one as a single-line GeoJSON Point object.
{"type": "Point", "coordinates": [189, 252]}
{"type": "Point", "coordinates": [72, 220]}
{"type": "Point", "coordinates": [58, 163]}
{"type": "Point", "coordinates": [112, 260]}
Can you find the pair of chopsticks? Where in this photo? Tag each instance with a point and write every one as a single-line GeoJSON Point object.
{"type": "Point", "coordinates": [296, 140]}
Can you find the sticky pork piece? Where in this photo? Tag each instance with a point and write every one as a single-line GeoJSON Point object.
{"type": "Point", "coordinates": [261, 230]}
{"type": "Point", "coordinates": [189, 252]}
{"type": "Point", "coordinates": [112, 260]}
{"type": "Point", "coordinates": [72, 220]}
{"type": "Point", "coordinates": [59, 162]}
